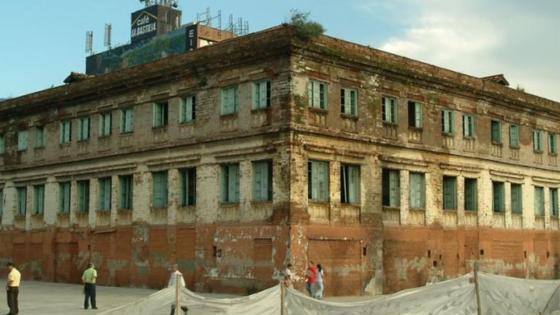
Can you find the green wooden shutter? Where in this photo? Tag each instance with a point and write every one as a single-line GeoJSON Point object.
{"type": "Point", "coordinates": [263, 94]}
{"type": "Point", "coordinates": [257, 181]}
{"type": "Point", "coordinates": [316, 94]}
{"type": "Point", "coordinates": [189, 109]}
{"type": "Point", "coordinates": [418, 119]}
{"type": "Point", "coordinates": [394, 188]}
{"type": "Point", "coordinates": [323, 181]}
{"type": "Point", "coordinates": [354, 184]}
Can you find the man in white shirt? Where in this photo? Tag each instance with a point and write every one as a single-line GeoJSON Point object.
{"type": "Point", "coordinates": [12, 287]}
{"type": "Point", "coordinates": [176, 274]}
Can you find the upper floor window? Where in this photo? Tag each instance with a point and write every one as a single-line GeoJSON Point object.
{"type": "Point", "coordinates": [38, 199]}
{"type": "Point", "coordinates": [83, 196]}
{"type": "Point", "coordinates": [126, 192]}
{"type": "Point", "coordinates": [159, 190]}
{"type": "Point", "coordinates": [22, 140]}
{"type": "Point", "coordinates": [66, 131]}
{"type": "Point", "coordinates": [105, 124]}
{"type": "Point", "coordinates": [516, 198]}
{"type": "Point", "coordinates": [514, 136]}
{"type": "Point", "coordinates": [537, 140]}
{"type": "Point", "coordinates": [230, 100]}
{"type": "Point", "coordinates": [498, 196]}
{"type": "Point", "coordinates": [349, 102]}
{"type": "Point", "coordinates": [318, 94]}
{"type": "Point", "coordinates": [64, 197]}
{"type": "Point", "coordinates": [187, 112]}
{"type": "Point", "coordinates": [261, 94]}
{"type": "Point", "coordinates": [2, 145]}
{"type": "Point", "coordinates": [471, 194]}
{"type": "Point", "coordinates": [350, 184]}
{"type": "Point", "coordinates": [318, 180]}
{"type": "Point", "coordinates": [448, 122]}
{"type": "Point", "coordinates": [188, 187]}
{"type": "Point", "coordinates": [127, 120]}
{"type": "Point", "coordinates": [262, 180]}
{"type": "Point", "coordinates": [391, 188]}
{"type": "Point", "coordinates": [389, 110]}
{"type": "Point", "coordinates": [40, 137]}
{"type": "Point", "coordinates": [496, 132]}
{"type": "Point", "coordinates": [230, 183]}
{"type": "Point", "coordinates": [84, 128]}
{"type": "Point", "coordinates": [468, 126]}
{"type": "Point", "coordinates": [105, 189]}
{"type": "Point", "coordinates": [417, 190]}
{"type": "Point", "coordinates": [160, 112]}
{"type": "Point", "coordinates": [21, 201]}
{"type": "Point", "coordinates": [552, 145]}
{"type": "Point", "coordinates": [539, 201]}
{"type": "Point", "coordinates": [449, 193]}
{"type": "Point", "coordinates": [415, 119]}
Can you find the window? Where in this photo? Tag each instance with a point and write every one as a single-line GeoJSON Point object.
{"type": "Point", "coordinates": [318, 181]}
{"type": "Point", "coordinates": [537, 140]}
{"type": "Point", "coordinates": [65, 131]}
{"type": "Point", "coordinates": [188, 109]}
{"type": "Point", "coordinates": [417, 191]}
{"type": "Point", "coordinates": [349, 102]}
{"type": "Point", "coordinates": [539, 201]}
{"type": "Point", "coordinates": [471, 194]}
{"type": "Point", "coordinates": [448, 122]}
{"type": "Point", "coordinates": [230, 100]}
{"type": "Point", "coordinates": [188, 187]}
{"type": "Point", "coordinates": [83, 128]}
{"type": "Point", "coordinates": [554, 202]}
{"type": "Point", "coordinates": [159, 190]}
{"type": "Point", "coordinates": [261, 94]}
{"type": "Point", "coordinates": [2, 145]}
{"type": "Point", "coordinates": [40, 137]}
{"type": "Point", "coordinates": [552, 146]}
{"type": "Point", "coordinates": [498, 196]}
{"type": "Point", "coordinates": [83, 196]}
{"type": "Point", "coordinates": [38, 199]}
{"type": "Point", "coordinates": [468, 126]}
{"type": "Point", "coordinates": [449, 193]}
{"type": "Point", "coordinates": [496, 132]}
{"type": "Point", "coordinates": [22, 140]}
{"type": "Point", "coordinates": [64, 197]}
{"type": "Point", "coordinates": [391, 188]}
{"type": "Point", "coordinates": [262, 180]}
{"type": "Point", "coordinates": [105, 194]}
{"type": "Point", "coordinates": [318, 94]}
{"type": "Point", "coordinates": [415, 119]}
{"type": "Point", "coordinates": [125, 200]}
{"type": "Point", "coordinates": [105, 124]}
{"type": "Point", "coordinates": [21, 201]}
{"type": "Point", "coordinates": [514, 136]}
{"type": "Point", "coordinates": [350, 184]}
{"type": "Point", "coordinates": [389, 110]}
{"type": "Point", "coordinates": [516, 198]}
{"type": "Point", "coordinates": [127, 120]}
{"type": "Point", "coordinates": [1, 203]}
{"type": "Point", "coordinates": [230, 183]}
{"type": "Point", "coordinates": [160, 115]}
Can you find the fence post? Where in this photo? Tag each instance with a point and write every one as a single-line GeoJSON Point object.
{"type": "Point", "coordinates": [177, 305]}
{"type": "Point", "coordinates": [476, 288]}
{"type": "Point", "coordinates": [282, 298]}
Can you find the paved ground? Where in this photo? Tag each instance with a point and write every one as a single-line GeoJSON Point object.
{"type": "Point", "coordinates": [67, 299]}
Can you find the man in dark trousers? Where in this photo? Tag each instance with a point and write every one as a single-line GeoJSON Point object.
{"type": "Point", "coordinates": [12, 287]}
{"type": "Point", "coordinates": [88, 278]}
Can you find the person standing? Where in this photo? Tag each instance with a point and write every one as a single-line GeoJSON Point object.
{"type": "Point", "coordinates": [311, 278]}
{"type": "Point", "coordinates": [288, 275]}
{"type": "Point", "coordinates": [176, 275]}
{"type": "Point", "coordinates": [319, 287]}
{"type": "Point", "coordinates": [12, 288]}
{"type": "Point", "coordinates": [88, 278]}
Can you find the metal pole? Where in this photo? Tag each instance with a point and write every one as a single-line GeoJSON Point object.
{"type": "Point", "coordinates": [177, 306]}
{"type": "Point", "coordinates": [282, 297]}
{"type": "Point", "coordinates": [476, 288]}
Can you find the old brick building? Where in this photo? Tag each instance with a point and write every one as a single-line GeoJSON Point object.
{"type": "Point", "coordinates": [237, 158]}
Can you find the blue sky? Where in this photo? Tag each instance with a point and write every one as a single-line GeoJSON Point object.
{"type": "Point", "coordinates": [42, 41]}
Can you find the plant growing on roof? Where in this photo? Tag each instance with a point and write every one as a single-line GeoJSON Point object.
{"type": "Point", "coordinates": [305, 28]}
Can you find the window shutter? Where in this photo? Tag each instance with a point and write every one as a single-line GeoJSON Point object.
{"type": "Point", "coordinates": [354, 184]}
{"type": "Point", "coordinates": [224, 180]}
{"type": "Point", "coordinates": [314, 179]}
{"type": "Point", "coordinates": [353, 102]}
{"type": "Point", "coordinates": [310, 96]}
{"type": "Point", "coordinates": [258, 181]}
{"type": "Point", "coordinates": [445, 120]}
{"type": "Point", "coordinates": [263, 94]}
{"type": "Point", "coordinates": [418, 115]}
{"type": "Point", "coordinates": [344, 184]}
{"type": "Point", "coordinates": [394, 189]}
{"type": "Point", "coordinates": [384, 109]}
{"type": "Point", "coordinates": [235, 177]}
{"type": "Point", "coordinates": [189, 109]}
{"type": "Point", "coordinates": [227, 101]}
{"type": "Point", "coordinates": [343, 101]}
{"type": "Point", "coordinates": [414, 190]}
{"type": "Point", "coordinates": [256, 96]}
{"type": "Point", "coordinates": [316, 94]}
{"type": "Point", "coordinates": [86, 128]}
{"type": "Point", "coordinates": [323, 181]}
{"type": "Point", "coordinates": [130, 120]}
{"type": "Point", "coordinates": [394, 111]}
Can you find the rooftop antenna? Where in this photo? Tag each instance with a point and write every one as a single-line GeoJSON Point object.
{"type": "Point", "coordinates": [89, 42]}
{"type": "Point", "coordinates": [107, 41]}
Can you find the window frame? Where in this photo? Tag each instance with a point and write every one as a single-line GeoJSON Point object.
{"type": "Point", "coordinates": [230, 194]}
{"type": "Point", "coordinates": [349, 101]}
{"type": "Point", "coordinates": [350, 193]}
{"type": "Point", "coordinates": [39, 199]}
{"type": "Point", "coordinates": [126, 192]}
{"type": "Point", "coordinates": [539, 205]}
{"type": "Point", "coordinates": [537, 141]}
{"type": "Point", "coordinates": [184, 110]}
{"type": "Point", "coordinates": [188, 187]}
{"type": "Point", "coordinates": [421, 191]}
{"type": "Point", "coordinates": [21, 208]}
{"type": "Point", "coordinates": [472, 183]}
{"type": "Point", "coordinates": [40, 137]}
{"type": "Point", "coordinates": [322, 96]}
{"type": "Point", "coordinates": [448, 114]}
{"type": "Point", "coordinates": [225, 99]}
{"type": "Point", "coordinates": [498, 197]}
{"type": "Point", "coordinates": [105, 183]}
{"type": "Point", "coordinates": [391, 196]}
{"type": "Point", "coordinates": [449, 179]}
{"type": "Point", "coordinates": [126, 126]}
{"type": "Point", "coordinates": [496, 126]}
{"type": "Point", "coordinates": [83, 195]}
{"type": "Point", "coordinates": [391, 109]}
{"type": "Point", "coordinates": [162, 191]}
{"type": "Point", "coordinates": [257, 97]}
{"type": "Point", "coordinates": [469, 125]}
{"type": "Point", "coordinates": [66, 132]}
{"type": "Point", "coordinates": [267, 194]}
{"type": "Point", "coordinates": [515, 210]}
{"type": "Point", "coordinates": [160, 114]}
{"type": "Point", "coordinates": [105, 124]}
{"type": "Point", "coordinates": [22, 145]}
{"type": "Point", "coordinates": [81, 136]}
{"type": "Point", "coordinates": [517, 132]}
{"type": "Point", "coordinates": [552, 144]}
{"type": "Point", "coordinates": [417, 109]}
{"type": "Point", "coordinates": [64, 204]}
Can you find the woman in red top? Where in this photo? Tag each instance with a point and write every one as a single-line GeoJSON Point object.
{"type": "Point", "coordinates": [311, 278]}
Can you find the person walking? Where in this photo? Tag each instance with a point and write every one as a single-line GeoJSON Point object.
{"type": "Point", "coordinates": [88, 278]}
{"type": "Point", "coordinates": [319, 286]}
{"type": "Point", "coordinates": [176, 275]}
{"type": "Point", "coordinates": [12, 288]}
{"type": "Point", "coordinates": [311, 278]}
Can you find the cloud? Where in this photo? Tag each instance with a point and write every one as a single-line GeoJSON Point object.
{"type": "Point", "coordinates": [477, 37]}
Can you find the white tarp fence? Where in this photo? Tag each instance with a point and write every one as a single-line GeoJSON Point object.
{"type": "Point", "coordinates": [498, 295]}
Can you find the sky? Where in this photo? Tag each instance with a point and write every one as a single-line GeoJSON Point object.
{"type": "Point", "coordinates": [41, 41]}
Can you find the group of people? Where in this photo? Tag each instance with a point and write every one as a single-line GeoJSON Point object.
{"type": "Point", "coordinates": [314, 279]}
